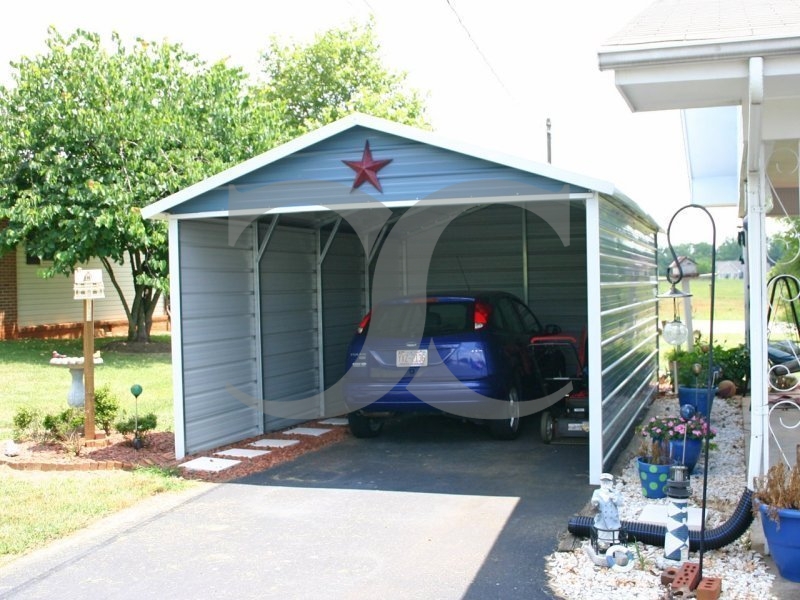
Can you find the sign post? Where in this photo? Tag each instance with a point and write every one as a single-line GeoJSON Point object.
{"type": "Point", "coordinates": [88, 286]}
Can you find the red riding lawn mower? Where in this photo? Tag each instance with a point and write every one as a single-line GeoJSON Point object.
{"type": "Point", "coordinates": [562, 360]}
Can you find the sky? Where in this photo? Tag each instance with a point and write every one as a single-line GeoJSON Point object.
{"type": "Point", "coordinates": [493, 72]}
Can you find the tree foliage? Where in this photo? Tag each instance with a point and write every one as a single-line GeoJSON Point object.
{"type": "Point", "coordinates": [783, 250]}
{"type": "Point", "coordinates": [338, 73]}
{"type": "Point", "coordinates": [700, 252]}
{"type": "Point", "coordinates": [91, 133]}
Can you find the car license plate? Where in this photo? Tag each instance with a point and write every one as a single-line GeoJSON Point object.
{"type": "Point", "coordinates": [412, 358]}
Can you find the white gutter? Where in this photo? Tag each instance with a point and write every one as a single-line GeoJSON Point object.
{"type": "Point", "coordinates": [630, 56]}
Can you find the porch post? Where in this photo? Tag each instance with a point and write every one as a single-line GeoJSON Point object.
{"type": "Point", "coordinates": [757, 259]}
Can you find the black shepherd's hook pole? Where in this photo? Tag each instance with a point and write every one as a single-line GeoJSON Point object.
{"type": "Point", "coordinates": [710, 373]}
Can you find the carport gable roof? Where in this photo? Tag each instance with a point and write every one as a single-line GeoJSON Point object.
{"type": "Point", "coordinates": [309, 174]}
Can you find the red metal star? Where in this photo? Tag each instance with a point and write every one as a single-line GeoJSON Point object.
{"type": "Point", "coordinates": [367, 169]}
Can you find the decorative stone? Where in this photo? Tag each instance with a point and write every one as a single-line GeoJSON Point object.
{"type": "Point", "coordinates": [11, 449]}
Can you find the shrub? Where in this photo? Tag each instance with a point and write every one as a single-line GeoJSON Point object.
{"type": "Point", "coordinates": [64, 424]}
{"type": "Point", "coordinates": [66, 428]}
{"type": "Point", "coordinates": [26, 423]}
{"type": "Point", "coordinates": [732, 363]}
{"type": "Point", "coordinates": [106, 407]}
{"type": "Point", "coordinates": [127, 425]}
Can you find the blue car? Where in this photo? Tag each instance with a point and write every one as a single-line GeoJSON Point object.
{"type": "Point", "coordinates": [467, 354]}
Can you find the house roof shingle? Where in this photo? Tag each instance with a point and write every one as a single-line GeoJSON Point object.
{"type": "Point", "coordinates": [685, 21]}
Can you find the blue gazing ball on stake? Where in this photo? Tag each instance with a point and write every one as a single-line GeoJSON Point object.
{"type": "Point", "coordinates": [136, 389]}
{"type": "Point", "coordinates": [687, 411]}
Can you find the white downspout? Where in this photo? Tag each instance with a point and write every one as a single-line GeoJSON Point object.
{"type": "Point", "coordinates": [757, 259]}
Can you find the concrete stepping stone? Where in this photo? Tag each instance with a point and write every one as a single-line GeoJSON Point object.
{"type": "Point", "coordinates": [241, 452]}
{"type": "Point", "coordinates": [207, 463]}
{"type": "Point", "coordinates": [334, 421]}
{"type": "Point", "coordinates": [315, 431]}
{"type": "Point", "coordinates": [273, 443]}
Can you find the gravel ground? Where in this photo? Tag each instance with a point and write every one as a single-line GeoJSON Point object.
{"type": "Point", "coordinates": [744, 574]}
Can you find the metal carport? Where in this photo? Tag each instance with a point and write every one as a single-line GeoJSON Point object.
{"type": "Point", "coordinates": [274, 261]}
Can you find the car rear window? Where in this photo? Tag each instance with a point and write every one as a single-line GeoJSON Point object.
{"type": "Point", "coordinates": [441, 318]}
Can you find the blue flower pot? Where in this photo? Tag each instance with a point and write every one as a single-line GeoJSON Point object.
{"type": "Point", "coordinates": [783, 539]}
{"type": "Point", "coordinates": [653, 479]}
{"type": "Point", "coordinates": [697, 397]}
{"type": "Point", "coordinates": [693, 450]}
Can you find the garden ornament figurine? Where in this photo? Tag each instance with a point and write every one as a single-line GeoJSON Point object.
{"type": "Point", "coordinates": [607, 501]}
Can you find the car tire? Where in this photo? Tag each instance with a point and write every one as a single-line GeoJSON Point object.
{"type": "Point", "coordinates": [546, 426]}
{"type": "Point", "coordinates": [364, 427]}
{"type": "Point", "coordinates": [508, 428]}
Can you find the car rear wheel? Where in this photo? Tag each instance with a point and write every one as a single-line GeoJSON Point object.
{"type": "Point", "coordinates": [508, 427]}
{"type": "Point", "coordinates": [546, 426]}
{"type": "Point", "coordinates": [362, 426]}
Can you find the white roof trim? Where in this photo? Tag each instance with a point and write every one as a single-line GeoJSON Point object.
{"type": "Point", "coordinates": [655, 53]}
{"type": "Point", "coordinates": [357, 119]}
{"type": "Point", "coordinates": [388, 204]}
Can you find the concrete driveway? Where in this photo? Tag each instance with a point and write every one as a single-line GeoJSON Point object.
{"type": "Point", "coordinates": [433, 508]}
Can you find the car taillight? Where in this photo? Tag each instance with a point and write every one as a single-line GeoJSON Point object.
{"type": "Point", "coordinates": [482, 312]}
{"type": "Point", "coordinates": [362, 326]}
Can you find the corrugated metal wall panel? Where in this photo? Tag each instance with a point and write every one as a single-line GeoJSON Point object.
{"type": "Point", "coordinates": [343, 301]}
{"type": "Point", "coordinates": [629, 318]}
{"type": "Point", "coordinates": [290, 333]}
{"type": "Point", "coordinates": [218, 327]}
{"type": "Point", "coordinates": [316, 175]}
{"type": "Point", "coordinates": [557, 267]}
{"type": "Point", "coordinates": [480, 250]}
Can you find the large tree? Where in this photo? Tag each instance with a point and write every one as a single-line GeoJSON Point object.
{"type": "Point", "coordinates": [89, 134]}
{"type": "Point", "coordinates": [340, 72]}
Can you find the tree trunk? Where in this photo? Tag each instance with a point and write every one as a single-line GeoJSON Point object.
{"type": "Point", "coordinates": [144, 305]}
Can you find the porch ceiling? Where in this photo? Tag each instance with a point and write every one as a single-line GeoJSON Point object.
{"type": "Point", "coordinates": [701, 75]}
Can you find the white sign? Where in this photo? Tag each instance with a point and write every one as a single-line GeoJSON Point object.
{"type": "Point", "coordinates": [88, 284]}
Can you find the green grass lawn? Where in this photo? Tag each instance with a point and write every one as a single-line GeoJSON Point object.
{"type": "Point", "coordinates": [729, 315]}
{"type": "Point", "coordinates": [30, 381]}
{"type": "Point", "coordinates": [728, 299]}
{"type": "Point", "coordinates": [36, 508]}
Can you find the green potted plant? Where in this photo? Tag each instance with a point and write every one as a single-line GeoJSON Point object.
{"type": "Point", "coordinates": [692, 372]}
{"type": "Point", "coordinates": [654, 458]}
{"type": "Point", "coordinates": [676, 439]}
{"type": "Point", "coordinates": [777, 499]}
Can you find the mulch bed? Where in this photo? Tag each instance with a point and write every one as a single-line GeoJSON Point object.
{"type": "Point", "coordinates": [116, 452]}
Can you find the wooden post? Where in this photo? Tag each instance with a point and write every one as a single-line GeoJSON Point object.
{"type": "Point", "coordinates": [88, 286]}
{"type": "Point", "coordinates": [88, 369]}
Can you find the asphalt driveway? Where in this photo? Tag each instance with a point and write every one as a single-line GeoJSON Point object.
{"type": "Point", "coordinates": [433, 508]}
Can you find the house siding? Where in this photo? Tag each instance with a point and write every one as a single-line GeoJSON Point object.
{"type": "Point", "coordinates": [45, 307]}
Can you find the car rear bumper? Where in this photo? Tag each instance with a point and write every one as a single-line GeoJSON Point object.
{"type": "Point", "coordinates": [377, 397]}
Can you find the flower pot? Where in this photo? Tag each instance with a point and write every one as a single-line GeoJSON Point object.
{"type": "Point", "coordinates": [697, 397]}
{"type": "Point", "coordinates": [783, 538]}
{"type": "Point", "coordinates": [653, 479]}
{"type": "Point", "coordinates": [693, 450]}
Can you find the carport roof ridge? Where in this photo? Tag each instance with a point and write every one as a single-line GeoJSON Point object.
{"type": "Point", "coordinates": [163, 207]}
